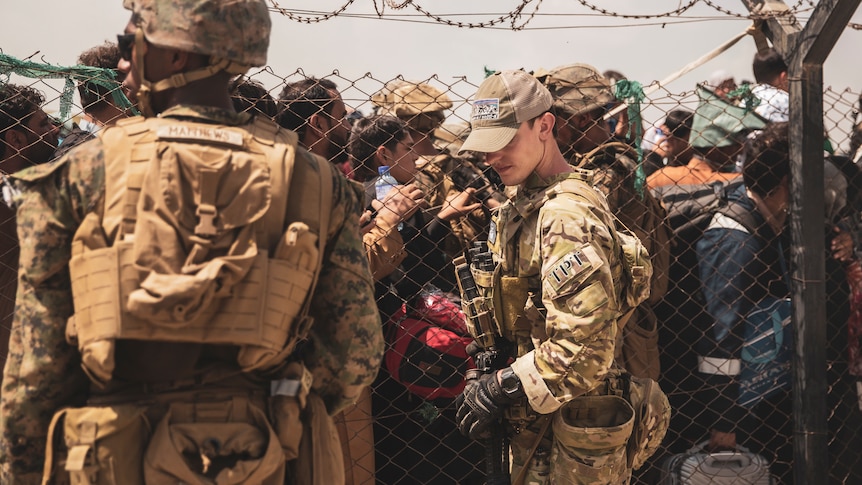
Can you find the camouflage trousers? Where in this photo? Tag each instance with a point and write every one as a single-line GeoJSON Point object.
{"type": "Point", "coordinates": [583, 443]}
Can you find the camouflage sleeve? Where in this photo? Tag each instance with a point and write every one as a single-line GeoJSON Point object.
{"type": "Point", "coordinates": [43, 372]}
{"type": "Point", "coordinates": [384, 247]}
{"type": "Point", "coordinates": [346, 340]}
{"type": "Point", "coordinates": [579, 295]}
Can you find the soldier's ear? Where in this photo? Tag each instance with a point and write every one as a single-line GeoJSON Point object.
{"type": "Point", "coordinates": [546, 124]}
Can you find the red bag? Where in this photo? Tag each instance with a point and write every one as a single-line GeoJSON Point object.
{"type": "Point", "coordinates": [424, 353]}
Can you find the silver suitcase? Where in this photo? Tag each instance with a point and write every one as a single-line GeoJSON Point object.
{"type": "Point", "coordinates": [698, 467]}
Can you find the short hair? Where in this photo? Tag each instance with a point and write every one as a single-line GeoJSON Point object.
{"type": "Point", "coordinates": [17, 104]}
{"type": "Point", "coordinates": [302, 99]}
{"type": "Point", "coordinates": [678, 121]}
{"type": "Point", "coordinates": [767, 65]}
{"type": "Point", "coordinates": [614, 76]}
{"type": "Point", "coordinates": [369, 134]}
{"type": "Point", "coordinates": [250, 96]}
{"type": "Point", "coordinates": [767, 159]}
{"type": "Point", "coordinates": [105, 56]}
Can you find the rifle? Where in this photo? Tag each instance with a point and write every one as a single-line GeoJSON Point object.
{"type": "Point", "coordinates": [491, 354]}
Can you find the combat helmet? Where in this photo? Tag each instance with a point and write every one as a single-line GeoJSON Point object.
{"type": "Point", "coordinates": [419, 104]}
{"type": "Point", "coordinates": [576, 88]}
{"type": "Point", "coordinates": [235, 34]}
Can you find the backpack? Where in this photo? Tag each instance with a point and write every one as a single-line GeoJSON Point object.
{"type": "Point", "coordinates": [690, 209]}
{"type": "Point", "coordinates": [642, 214]}
{"type": "Point", "coordinates": [427, 347]}
{"type": "Point", "coordinates": [209, 235]}
{"type": "Point", "coordinates": [637, 266]}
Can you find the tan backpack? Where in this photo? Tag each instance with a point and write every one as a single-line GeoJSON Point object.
{"type": "Point", "coordinates": [210, 234]}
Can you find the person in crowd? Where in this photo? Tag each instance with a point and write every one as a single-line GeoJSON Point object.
{"type": "Point", "coordinates": [770, 74]}
{"type": "Point", "coordinates": [408, 448]}
{"type": "Point", "coordinates": [441, 176]}
{"type": "Point", "coordinates": [717, 137]}
{"type": "Point", "coordinates": [743, 265]}
{"type": "Point", "coordinates": [669, 147]}
{"type": "Point", "coordinates": [241, 390]}
{"type": "Point", "coordinates": [101, 109]}
{"type": "Point", "coordinates": [721, 82]}
{"type": "Point", "coordinates": [27, 137]}
{"type": "Point", "coordinates": [250, 96]}
{"type": "Point", "coordinates": [314, 109]}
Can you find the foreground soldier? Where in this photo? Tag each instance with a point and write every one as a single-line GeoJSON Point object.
{"type": "Point", "coordinates": [557, 296]}
{"type": "Point", "coordinates": [191, 272]}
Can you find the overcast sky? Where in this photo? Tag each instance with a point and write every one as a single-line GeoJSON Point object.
{"type": "Point", "coordinates": [404, 42]}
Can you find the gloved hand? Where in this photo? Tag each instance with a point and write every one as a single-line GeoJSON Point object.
{"type": "Point", "coordinates": [481, 403]}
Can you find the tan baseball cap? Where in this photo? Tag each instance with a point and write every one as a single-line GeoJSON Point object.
{"type": "Point", "coordinates": [504, 100]}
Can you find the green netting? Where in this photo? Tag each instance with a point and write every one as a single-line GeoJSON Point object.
{"type": "Point", "coordinates": [106, 78]}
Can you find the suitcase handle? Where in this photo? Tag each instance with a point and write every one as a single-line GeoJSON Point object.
{"type": "Point", "coordinates": [728, 459]}
{"type": "Point", "coordinates": [701, 448]}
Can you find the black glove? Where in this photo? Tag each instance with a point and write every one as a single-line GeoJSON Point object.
{"type": "Point", "coordinates": [482, 403]}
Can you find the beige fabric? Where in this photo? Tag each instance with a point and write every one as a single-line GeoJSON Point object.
{"type": "Point", "coordinates": [214, 193]}
{"type": "Point", "coordinates": [320, 459]}
{"type": "Point", "coordinates": [356, 430]}
{"type": "Point", "coordinates": [214, 443]}
{"type": "Point", "coordinates": [103, 446]}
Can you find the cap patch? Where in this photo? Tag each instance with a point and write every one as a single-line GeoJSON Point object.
{"type": "Point", "coordinates": [486, 109]}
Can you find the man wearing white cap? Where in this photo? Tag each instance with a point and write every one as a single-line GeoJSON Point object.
{"type": "Point", "coordinates": [557, 264]}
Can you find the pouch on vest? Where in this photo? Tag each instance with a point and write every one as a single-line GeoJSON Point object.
{"type": "Point", "coordinates": [202, 443]}
{"type": "Point", "coordinates": [320, 459]}
{"type": "Point", "coordinates": [103, 446]}
{"type": "Point", "coordinates": [190, 224]}
{"type": "Point", "coordinates": [652, 418]}
{"type": "Point", "coordinates": [590, 436]}
{"type": "Point", "coordinates": [637, 344]}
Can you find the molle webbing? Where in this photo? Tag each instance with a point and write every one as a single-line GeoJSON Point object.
{"type": "Point", "coordinates": [259, 312]}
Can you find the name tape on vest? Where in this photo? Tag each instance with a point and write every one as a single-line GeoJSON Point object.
{"type": "Point", "coordinates": [200, 133]}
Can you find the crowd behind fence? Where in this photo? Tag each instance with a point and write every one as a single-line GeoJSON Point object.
{"type": "Point", "coordinates": [405, 433]}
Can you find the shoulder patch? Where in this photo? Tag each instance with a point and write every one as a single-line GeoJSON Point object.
{"type": "Point", "coordinates": [560, 278]}
{"type": "Point", "coordinates": [186, 132]}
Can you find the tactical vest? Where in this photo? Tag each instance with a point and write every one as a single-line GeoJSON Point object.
{"type": "Point", "coordinates": [209, 235]}
{"type": "Point", "coordinates": [515, 300]}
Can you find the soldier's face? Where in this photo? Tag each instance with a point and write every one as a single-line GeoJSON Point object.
{"type": "Point", "coordinates": [517, 160]}
{"type": "Point", "coordinates": [127, 64]}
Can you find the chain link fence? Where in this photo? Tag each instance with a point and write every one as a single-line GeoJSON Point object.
{"type": "Point", "coordinates": [403, 430]}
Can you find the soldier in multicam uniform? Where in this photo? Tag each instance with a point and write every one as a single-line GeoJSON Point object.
{"type": "Point", "coordinates": [581, 95]}
{"type": "Point", "coordinates": [558, 267]}
{"type": "Point", "coordinates": [201, 43]}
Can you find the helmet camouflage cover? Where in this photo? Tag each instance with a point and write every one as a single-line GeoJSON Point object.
{"type": "Point", "coordinates": [577, 88]}
{"type": "Point", "coordinates": [235, 30]}
{"type": "Point", "coordinates": [406, 98]}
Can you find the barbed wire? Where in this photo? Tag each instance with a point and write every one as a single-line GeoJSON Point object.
{"type": "Point", "coordinates": [309, 19]}
{"type": "Point", "coordinates": [609, 13]}
{"type": "Point", "coordinates": [513, 16]}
